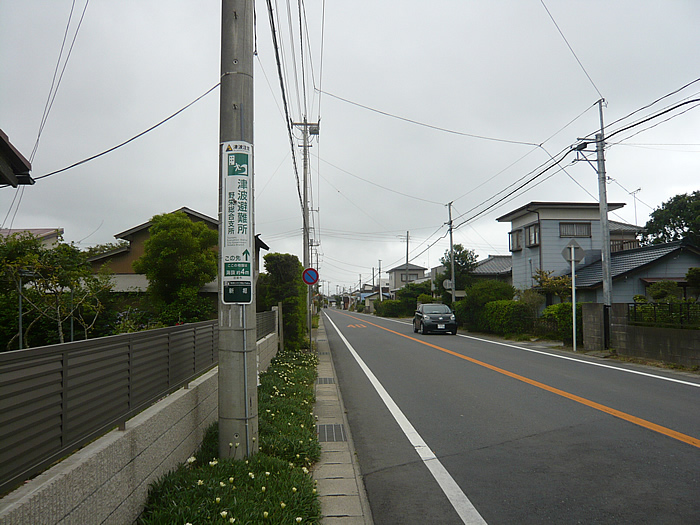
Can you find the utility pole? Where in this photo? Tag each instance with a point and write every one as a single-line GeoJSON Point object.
{"type": "Point", "coordinates": [238, 394]}
{"type": "Point", "coordinates": [307, 128]}
{"type": "Point", "coordinates": [604, 226]}
{"type": "Point", "coordinates": [452, 257]}
{"type": "Point", "coordinates": [407, 281]}
{"type": "Point", "coordinates": [379, 274]}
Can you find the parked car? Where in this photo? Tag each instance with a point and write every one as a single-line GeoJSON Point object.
{"type": "Point", "coordinates": [432, 317]}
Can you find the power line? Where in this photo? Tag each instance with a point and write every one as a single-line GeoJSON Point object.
{"type": "Point", "coordinates": [132, 138]}
{"type": "Point", "coordinates": [411, 121]}
{"type": "Point", "coordinates": [572, 50]}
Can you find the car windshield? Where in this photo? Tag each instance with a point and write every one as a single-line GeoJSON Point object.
{"type": "Point", "coordinates": [437, 309]}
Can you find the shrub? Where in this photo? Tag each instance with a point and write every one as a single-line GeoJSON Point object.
{"type": "Point", "coordinates": [425, 298]}
{"type": "Point", "coordinates": [507, 317]}
{"type": "Point", "coordinates": [561, 313]}
{"type": "Point", "coordinates": [390, 308]}
{"type": "Point", "coordinates": [469, 310]}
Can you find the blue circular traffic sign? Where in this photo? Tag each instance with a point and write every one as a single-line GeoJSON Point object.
{"type": "Point", "coordinates": [310, 276]}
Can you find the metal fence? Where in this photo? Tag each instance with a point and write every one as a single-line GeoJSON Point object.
{"type": "Point", "coordinates": [667, 315]}
{"type": "Point", "coordinates": [55, 399]}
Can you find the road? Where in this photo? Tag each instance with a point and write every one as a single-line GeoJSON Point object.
{"type": "Point", "coordinates": [458, 429]}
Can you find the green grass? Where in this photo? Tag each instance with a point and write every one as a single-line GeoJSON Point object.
{"type": "Point", "coordinates": [273, 486]}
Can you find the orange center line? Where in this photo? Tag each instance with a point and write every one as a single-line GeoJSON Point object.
{"type": "Point", "coordinates": [587, 402]}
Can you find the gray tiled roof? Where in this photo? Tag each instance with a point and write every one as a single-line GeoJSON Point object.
{"type": "Point", "coordinates": [494, 265]}
{"type": "Point", "coordinates": [626, 261]}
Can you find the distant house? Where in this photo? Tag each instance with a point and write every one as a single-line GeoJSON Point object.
{"type": "Point", "coordinates": [634, 270]}
{"type": "Point", "coordinates": [121, 260]}
{"type": "Point", "coordinates": [403, 274]}
{"type": "Point", "coordinates": [47, 236]}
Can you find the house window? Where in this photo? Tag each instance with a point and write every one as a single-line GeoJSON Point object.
{"type": "Point", "coordinates": [532, 234]}
{"type": "Point", "coordinates": [411, 277]}
{"type": "Point", "coordinates": [515, 240]}
{"type": "Point", "coordinates": [574, 229]}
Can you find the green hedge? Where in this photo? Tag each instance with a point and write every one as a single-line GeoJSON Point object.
{"type": "Point", "coordinates": [506, 317]}
{"type": "Point", "coordinates": [561, 313]}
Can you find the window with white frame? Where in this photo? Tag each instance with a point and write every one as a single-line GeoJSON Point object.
{"type": "Point", "coordinates": [532, 234]}
{"type": "Point", "coordinates": [574, 229]}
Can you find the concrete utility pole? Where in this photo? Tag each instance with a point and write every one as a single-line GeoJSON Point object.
{"type": "Point", "coordinates": [379, 274]}
{"type": "Point", "coordinates": [604, 226]}
{"type": "Point", "coordinates": [407, 280]}
{"type": "Point", "coordinates": [452, 257]}
{"type": "Point", "coordinates": [238, 394]}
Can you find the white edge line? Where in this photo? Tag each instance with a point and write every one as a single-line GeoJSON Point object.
{"type": "Point", "coordinates": [454, 493]}
{"type": "Point", "coordinates": [578, 360]}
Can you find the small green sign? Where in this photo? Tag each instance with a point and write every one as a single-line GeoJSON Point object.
{"type": "Point", "coordinates": [237, 269]}
{"type": "Point", "coordinates": [238, 292]}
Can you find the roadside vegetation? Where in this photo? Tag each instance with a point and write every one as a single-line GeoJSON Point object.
{"type": "Point", "coordinates": [272, 486]}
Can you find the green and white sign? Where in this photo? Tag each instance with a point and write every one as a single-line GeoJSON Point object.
{"type": "Point", "coordinates": [237, 236]}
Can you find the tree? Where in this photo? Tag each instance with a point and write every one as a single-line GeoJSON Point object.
{"type": "Point", "coordinates": [676, 219]}
{"type": "Point", "coordinates": [56, 283]}
{"type": "Point", "coordinates": [179, 258]}
{"type": "Point", "coordinates": [465, 262]}
{"type": "Point", "coordinates": [282, 283]}
{"type": "Point", "coordinates": [548, 285]}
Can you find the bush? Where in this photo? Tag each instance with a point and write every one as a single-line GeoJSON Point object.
{"type": "Point", "coordinates": [561, 313]}
{"type": "Point", "coordinates": [469, 310]}
{"type": "Point", "coordinates": [390, 308]}
{"type": "Point", "coordinates": [425, 298]}
{"type": "Point", "coordinates": [507, 317]}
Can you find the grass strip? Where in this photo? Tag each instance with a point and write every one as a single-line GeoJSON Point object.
{"type": "Point", "coordinates": [273, 486]}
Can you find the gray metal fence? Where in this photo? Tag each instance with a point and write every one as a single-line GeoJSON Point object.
{"type": "Point", "coordinates": [55, 399]}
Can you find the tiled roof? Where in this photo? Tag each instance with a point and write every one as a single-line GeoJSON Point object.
{"type": "Point", "coordinates": [624, 227]}
{"type": "Point", "coordinates": [627, 261]}
{"type": "Point", "coordinates": [494, 265]}
{"type": "Point", "coordinates": [402, 267]}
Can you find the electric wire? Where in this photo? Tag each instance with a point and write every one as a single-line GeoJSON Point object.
{"type": "Point", "coordinates": [93, 157]}
{"type": "Point", "coordinates": [572, 50]}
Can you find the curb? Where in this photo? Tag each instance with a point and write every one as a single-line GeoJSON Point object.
{"type": "Point", "coordinates": [339, 481]}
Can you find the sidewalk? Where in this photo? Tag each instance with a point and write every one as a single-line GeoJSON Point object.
{"type": "Point", "coordinates": [340, 487]}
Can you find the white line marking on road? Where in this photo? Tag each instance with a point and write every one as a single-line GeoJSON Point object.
{"type": "Point", "coordinates": [568, 358]}
{"type": "Point", "coordinates": [458, 499]}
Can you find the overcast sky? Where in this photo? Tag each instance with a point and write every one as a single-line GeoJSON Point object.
{"type": "Point", "coordinates": [489, 68]}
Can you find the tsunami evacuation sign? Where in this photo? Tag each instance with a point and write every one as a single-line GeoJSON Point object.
{"type": "Point", "coordinates": [237, 248]}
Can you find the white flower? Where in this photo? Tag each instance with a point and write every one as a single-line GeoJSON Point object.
{"type": "Point", "coordinates": [200, 482]}
{"type": "Point", "coordinates": [222, 484]}
{"type": "Point", "coordinates": [294, 489]}
{"type": "Point", "coordinates": [267, 474]}
{"type": "Point", "coordinates": [266, 514]}
{"type": "Point", "coordinates": [298, 519]}
{"type": "Point", "coordinates": [264, 489]}
{"type": "Point", "coordinates": [213, 463]}
{"type": "Point", "coordinates": [283, 504]}
{"type": "Point", "coordinates": [230, 480]}
{"type": "Point", "coordinates": [232, 520]}
{"type": "Point", "coordinates": [218, 500]}
{"type": "Point", "coordinates": [191, 460]}
{"type": "Point", "coordinates": [223, 513]}
{"type": "Point", "coordinates": [251, 475]}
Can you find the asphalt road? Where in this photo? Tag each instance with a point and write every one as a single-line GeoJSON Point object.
{"type": "Point", "coordinates": [457, 429]}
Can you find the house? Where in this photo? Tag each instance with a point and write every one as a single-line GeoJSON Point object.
{"type": "Point", "coordinates": [495, 267]}
{"type": "Point", "coordinates": [121, 260]}
{"type": "Point", "coordinates": [47, 236]}
{"type": "Point", "coordinates": [403, 274]}
{"type": "Point", "coordinates": [633, 270]}
{"type": "Point", "coordinates": [14, 167]}
{"type": "Point", "coordinates": [541, 230]}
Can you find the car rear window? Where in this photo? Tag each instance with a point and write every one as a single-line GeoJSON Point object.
{"type": "Point", "coordinates": [437, 309]}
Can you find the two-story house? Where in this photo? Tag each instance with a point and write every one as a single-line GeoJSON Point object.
{"type": "Point", "coordinates": [403, 274]}
{"type": "Point", "coordinates": [540, 231]}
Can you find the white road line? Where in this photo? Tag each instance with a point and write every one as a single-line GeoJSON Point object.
{"type": "Point", "coordinates": [458, 499]}
{"type": "Point", "coordinates": [568, 358]}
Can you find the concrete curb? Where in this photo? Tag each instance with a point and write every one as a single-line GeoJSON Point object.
{"type": "Point", "coordinates": [339, 481]}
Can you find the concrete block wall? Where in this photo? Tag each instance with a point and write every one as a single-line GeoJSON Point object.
{"type": "Point", "coordinates": [107, 481]}
{"type": "Point", "coordinates": [267, 350]}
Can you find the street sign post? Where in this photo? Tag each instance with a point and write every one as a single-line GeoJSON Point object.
{"type": "Point", "coordinates": [310, 276]}
{"type": "Point", "coordinates": [573, 253]}
{"type": "Point", "coordinates": [237, 250]}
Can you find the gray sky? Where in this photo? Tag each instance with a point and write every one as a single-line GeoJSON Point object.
{"type": "Point", "coordinates": [491, 68]}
